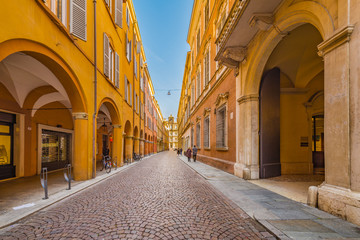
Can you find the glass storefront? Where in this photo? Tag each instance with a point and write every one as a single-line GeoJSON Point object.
{"type": "Point", "coordinates": [56, 149]}
{"type": "Point", "coordinates": [7, 168]}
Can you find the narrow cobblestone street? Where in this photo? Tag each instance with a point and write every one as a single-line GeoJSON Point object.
{"type": "Point", "coordinates": [159, 198]}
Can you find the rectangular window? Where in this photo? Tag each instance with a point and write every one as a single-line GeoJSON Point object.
{"type": "Point", "coordinates": [206, 132]}
{"type": "Point", "coordinates": [127, 17]}
{"type": "Point", "coordinates": [198, 135]}
{"type": "Point", "coordinates": [111, 64]}
{"type": "Point", "coordinates": [198, 83]}
{"type": "Point", "coordinates": [207, 68]}
{"type": "Point", "coordinates": [198, 42]}
{"type": "Point", "coordinates": [126, 89]}
{"type": "Point", "coordinates": [106, 56]}
{"type": "Point", "coordinates": [221, 127]}
{"type": "Point", "coordinates": [192, 95]}
{"type": "Point", "coordinates": [135, 66]}
{"type": "Point", "coordinates": [117, 70]}
{"type": "Point", "coordinates": [207, 12]}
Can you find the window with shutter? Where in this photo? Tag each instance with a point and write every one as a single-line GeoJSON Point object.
{"type": "Point", "coordinates": [78, 18]}
{"type": "Point", "coordinates": [198, 42]}
{"type": "Point", "coordinates": [198, 135]}
{"type": "Point", "coordinates": [111, 64]}
{"type": "Point", "coordinates": [106, 56]}
{"type": "Point", "coordinates": [135, 67]}
{"type": "Point", "coordinates": [192, 95]}
{"type": "Point", "coordinates": [192, 137]}
{"type": "Point", "coordinates": [207, 68]}
{"type": "Point", "coordinates": [207, 10]}
{"type": "Point", "coordinates": [221, 127]}
{"type": "Point", "coordinates": [127, 17]}
{"type": "Point", "coordinates": [126, 89]}
{"type": "Point", "coordinates": [130, 100]}
{"type": "Point", "coordinates": [206, 132]}
{"type": "Point", "coordinates": [198, 87]}
{"type": "Point", "coordinates": [117, 70]}
{"type": "Point", "coordinates": [118, 12]}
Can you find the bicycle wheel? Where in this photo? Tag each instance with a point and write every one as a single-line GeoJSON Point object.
{"type": "Point", "coordinates": [108, 167]}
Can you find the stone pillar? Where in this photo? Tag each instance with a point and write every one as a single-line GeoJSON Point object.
{"type": "Point", "coordinates": [82, 162]}
{"type": "Point", "coordinates": [117, 145]}
{"type": "Point", "coordinates": [247, 165]}
{"type": "Point", "coordinates": [336, 195]}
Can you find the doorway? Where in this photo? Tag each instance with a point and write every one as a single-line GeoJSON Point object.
{"type": "Point", "coordinates": [318, 144]}
{"type": "Point", "coordinates": [7, 168]}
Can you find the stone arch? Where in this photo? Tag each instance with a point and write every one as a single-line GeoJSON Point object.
{"type": "Point", "coordinates": [293, 17]}
{"type": "Point", "coordinates": [57, 65]}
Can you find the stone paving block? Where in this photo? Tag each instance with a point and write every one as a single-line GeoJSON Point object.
{"type": "Point", "coordinates": [159, 198]}
{"type": "Point", "coordinates": [341, 227]}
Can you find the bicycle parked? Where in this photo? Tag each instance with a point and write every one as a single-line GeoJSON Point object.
{"type": "Point", "coordinates": [136, 157]}
{"type": "Point", "coordinates": [108, 163]}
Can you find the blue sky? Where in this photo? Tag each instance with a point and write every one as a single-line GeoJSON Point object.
{"type": "Point", "coordinates": [163, 27]}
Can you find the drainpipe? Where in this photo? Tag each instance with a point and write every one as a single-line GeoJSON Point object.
{"type": "Point", "coordinates": [95, 97]}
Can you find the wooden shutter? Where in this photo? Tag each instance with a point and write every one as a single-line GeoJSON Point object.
{"type": "Point", "coordinates": [107, 2]}
{"type": "Point", "coordinates": [130, 100]}
{"type": "Point", "coordinates": [78, 18]}
{"type": "Point", "coordinates": [117, 70]}
{"type": "Point", "coordinates": [198, 135]}
{"type": "Point", "coordinates": [126, 89]}
{"type": "Point", "coordinates": [206, 132]}
{"type": "Point", "coordinates": [118, 12]}
{"type": "Point", "coordinates": [207, 68]}
{"type": "Point", "coordinates": [106, 56]}
{"type": "Point", "coordinates": [130, 50]}
{"type": "Point", "coordinates": [138, 47]}
{"type": "Point", "coordinates": [220, 128]}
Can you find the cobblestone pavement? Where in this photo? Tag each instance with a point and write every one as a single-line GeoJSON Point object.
{"type": "Point", "coordinates": [159, 198]}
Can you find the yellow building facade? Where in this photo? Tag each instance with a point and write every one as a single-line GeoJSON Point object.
{"type": "Point", "coordinates": [71, 85]}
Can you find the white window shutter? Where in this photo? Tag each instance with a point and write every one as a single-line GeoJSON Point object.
{"type": "Point", "coordinates": [126, 89]}
{"type": "Point", "coordinates": [118, 12]}
{"type": "Point", "coordinates": [130, 100]}
{"type": "Point", "coordinates": [78, 18]}
{"type": "Point", "coordinates": [138, 46]}
{"type": "Point", "coordinates": [106, 56]}
{"type": "Point", "coordinates": [107, 2]}
{"type": "Point", "coordinates": [126, 46]}
{"type": "Point", "coordinates": [117, 70]}
{"type": "Point", "coordinates": [130, 51]}
{"type": "Point", "coordinates": [141, 61]}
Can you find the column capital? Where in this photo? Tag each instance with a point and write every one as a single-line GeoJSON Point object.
{"type": "Point", "coordinates": [337, 39]}
{"type": "Point", "coordinates": [116, 126]}
{"type": "Point", "coordinates": [80, 115]}
{"type": "Point", "coordinates": [248, 98]}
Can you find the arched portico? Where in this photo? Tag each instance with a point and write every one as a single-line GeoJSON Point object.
{"type": "Point", "coordinates": [128, 141]}
{"type": "Point", "coordinates": [109, 134]}
{"type": "Point", "coordinates": [42, 96]}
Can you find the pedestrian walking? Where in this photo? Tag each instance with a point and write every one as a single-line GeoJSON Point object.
{"type": "Point", "coordinates": [188, 154]}
{"type": "Point", "coordinates": [180, 151]}
{"type": "Point", "coordinates": [194, 151]}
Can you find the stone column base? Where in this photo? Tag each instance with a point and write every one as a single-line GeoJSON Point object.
{"type": "Point", "coordinates": [340, 202]}
{"type": "Point", "coordinates": [246, 172]}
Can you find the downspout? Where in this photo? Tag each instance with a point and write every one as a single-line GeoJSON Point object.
{"type": "Point", "coordinates": [95, 97]}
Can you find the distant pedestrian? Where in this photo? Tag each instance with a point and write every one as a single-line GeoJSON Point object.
{"type": "Point", "coordinates": [194, 150]}
{"type": "Point", "coordinates": [180, 151]}
{"type": "Point", "coordinates": [188, 154]}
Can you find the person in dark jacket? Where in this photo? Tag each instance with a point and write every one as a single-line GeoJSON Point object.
{"type": "Point", "coordinates": [188, 154]}
{"type": "Point", "coordinates": [194, 151]}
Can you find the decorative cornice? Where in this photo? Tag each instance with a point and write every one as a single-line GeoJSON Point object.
{"type": "Point", "coordinates": [221, 97]}
{"type": "Point", "coordinates": [116, 126]}
{"type": "Point", "coordinates": [198, 118]}
{"type": "Point", "coordinates": [80, 116]}
{"type": "Point", "coordinates": [248, 98]}
{"type": "Point", "coordinates": [236, 53]}
{"type": "Point", "coordinates": [129, 136]}
{"type": "Point", "coordinates": [340, 37]}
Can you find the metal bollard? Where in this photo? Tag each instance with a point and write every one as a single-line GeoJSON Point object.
{"type": "Point", "coordinates": [67, 175]}
{"type": "Point", "coordinates": [43, 180]}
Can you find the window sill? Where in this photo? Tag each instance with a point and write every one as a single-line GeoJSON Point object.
{"type": "Point", "coordinates": [222, 149]}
